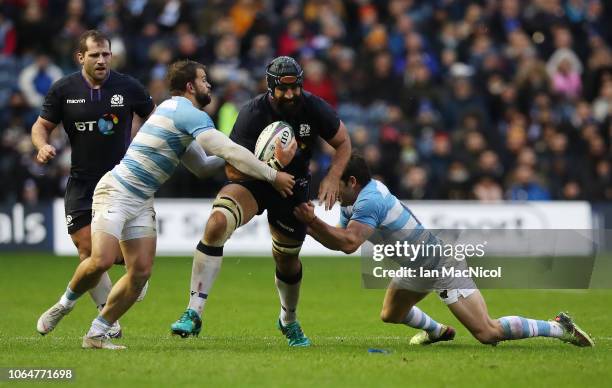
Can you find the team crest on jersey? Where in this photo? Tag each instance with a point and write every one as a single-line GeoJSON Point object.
{"type": "Point", "coordinates": [304, 130]}
{"type": "Point", "coordinates": [117, 100]}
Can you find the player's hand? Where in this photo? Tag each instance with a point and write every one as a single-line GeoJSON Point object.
{"type": "Point", "coordinates": [328, 191]}
{"type": "Point", "coordinates": [304, 212]}
{"type": "Point", "coordinates": [285, 154]}
{"type": "Point", "coordinates": [284, 184]}
{"type": "Point", "coordinates": [45, 153]}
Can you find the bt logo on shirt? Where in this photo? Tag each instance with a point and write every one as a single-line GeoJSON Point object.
{"type": "Point", "coordinates": [105, 124]}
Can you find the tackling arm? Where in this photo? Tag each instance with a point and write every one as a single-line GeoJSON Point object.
{"type": "Point", "coordinates": [339, 239]}
{"type": "Point", "coordinates": [346, 240]}
{"type": "Point", "coordinates": [215, 143]}
{"type": "Point", "coordinates": [200, 164]}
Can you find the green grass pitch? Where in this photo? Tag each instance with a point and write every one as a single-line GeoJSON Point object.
{"type": "Point", "coordinates": [240, 346]}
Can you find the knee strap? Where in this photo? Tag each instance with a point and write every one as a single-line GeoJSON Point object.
{"type": "Point", "coordinates": [232, 212]}
{"type": "Point", "coordinates": [286, 249]}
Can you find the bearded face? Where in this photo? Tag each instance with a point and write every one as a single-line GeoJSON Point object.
{"type": "Point", "coordinates": [288, 100]}
{"type": "Point", "coordinates": [202, 88]}
{"type": "Point", "coordinates": [203, 97]}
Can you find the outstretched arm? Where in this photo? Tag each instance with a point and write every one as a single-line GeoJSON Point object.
{"type": "Point", "coordinates": [338, 239]}
{"type": "Point", "coordinates": [200, 164]}
{"type": "Point", "coordinates": [215, 143]}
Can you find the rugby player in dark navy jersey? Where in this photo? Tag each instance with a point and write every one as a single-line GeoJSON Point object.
{"type": "Point", "coordinates": [100, 110]}
{"type": "Point", "coordinates": [311, 118]}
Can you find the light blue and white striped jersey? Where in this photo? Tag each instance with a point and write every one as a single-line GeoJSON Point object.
{"type": "Point", "coordinates": [159, 145]}
{"type": "Point", "coordinates": [377, 207]}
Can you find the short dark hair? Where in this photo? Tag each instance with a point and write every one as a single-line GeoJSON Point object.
{"type": "Point", "coordinates": [181, 72]}
{"type": "Point", "coordinates": [358, 168]}
{"type": "Point", "coordinates": [95, 35]}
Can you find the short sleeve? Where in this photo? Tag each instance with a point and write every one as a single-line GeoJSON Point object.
{"type": "Point", "coordinates": [328, 119]}
{"type": "Point", "coordinates": [52, 106]}
{"type": "Point", "coordinates": [344, 218]}
{"type": "Point", "coordinates": [143, 102]}
{"type": "Point", "coordinates": [193, 121]}
{"type": "Point", "coordinates": [365, 211]}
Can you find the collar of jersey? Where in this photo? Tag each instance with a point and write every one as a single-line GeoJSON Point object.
{"type": "Point", "coordinates": [366, 188]}
{"type": "Point", "coordinates": [101, 85]}
{"type": "Point", "coordinates": [181, 98]}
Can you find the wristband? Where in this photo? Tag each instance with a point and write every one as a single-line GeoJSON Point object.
{"type": "Point", "coordinates": [275, 164]}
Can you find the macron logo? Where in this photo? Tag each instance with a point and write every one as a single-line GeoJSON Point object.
{"type": "Point", "coordinates": [75, 101]}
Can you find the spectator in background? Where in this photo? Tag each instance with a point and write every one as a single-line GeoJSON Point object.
{"type": "Point", "coordinates": [8, 35]}
{"type": "Point", "coordinates": [487, 189]}
{"type": "Point", "coordinates": [383, 85]}
{"type": "Point", "coordinates": [462, 97]}
{"type": "Point", "coordinates": [601, 190]}
{"type": "Point", "coordinates": [36, 79]}
{"type": "Point", "coordinates": [34, 33]}
{"type": "Point", "coordinates": [317, 81]}
{"type": "Point", "coordinates": [457, 182]}
{"type": "Point", "coordinates": [293, 39]}
{"type": "Point", "coordinates": [525, 187]}
{"type": "Point", "coordinates": [414, 184]}
{"type": "Point", "coordinates": [259, 55]}
{"type": "Point", "coordinates": [602, 106]}
{"type": "Point", "coordinates": [565, 75]}
{"type": "Point", "coordinates": [481, 86]}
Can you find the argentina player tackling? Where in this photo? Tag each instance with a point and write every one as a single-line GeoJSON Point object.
{"type": "Point", "coordinates": [123, 219]}
{"type": "Point", "coordinates": [370, 212]}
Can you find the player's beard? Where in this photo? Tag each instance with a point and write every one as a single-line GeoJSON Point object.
{"type": "Point", "coordinates": [202, 98]}
{"type": "Point", "coordinates": [98, 75]}
{"type": "Point", "coordinates": [289, 107]}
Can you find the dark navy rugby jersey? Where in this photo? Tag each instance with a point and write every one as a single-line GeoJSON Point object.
{"type": "Point", "coordinates": [315, 118]}
{"type": "Point", "coordinates": [98, 121]}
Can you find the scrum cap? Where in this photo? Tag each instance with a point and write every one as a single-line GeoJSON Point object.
{"type": "Point", "coordinates": [284, 71]}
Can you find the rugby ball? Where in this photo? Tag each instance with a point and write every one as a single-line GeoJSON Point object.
{"type": "Point", "coordinates": [266, 142]}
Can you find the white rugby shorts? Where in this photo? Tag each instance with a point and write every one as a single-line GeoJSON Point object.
{"type": "Point", "coordinates": [120, 213]}
{"type": "Point", "coordinates": [449, 289]}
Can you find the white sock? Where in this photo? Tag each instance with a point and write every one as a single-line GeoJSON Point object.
{"type": "Point", "coordinates": [99, 327]}
{"type": "Point", "coordinates": [203, 274]}
{"type": "Point", "coordinates": [289, 294]}
{"type": "Point", "coordinates": [418, 319]}
{"type": "Point", "coordinates": [99, 293]}
{"type": "Point", "coordinates": [69, 299]}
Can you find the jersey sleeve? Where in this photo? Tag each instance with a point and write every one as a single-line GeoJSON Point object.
{"type": "Point", "coordinates": [193, 121]}
{"type": "Point", "coordinates": [344, 218]}
{"type": "Point", "coordinates": [143, 102]}
{"type": "Point", "coordinates": [52, 106]}
{"type": "Point", "coordinates": [366, 211]}
{"type": "Point", "coordinates": [328, 119]}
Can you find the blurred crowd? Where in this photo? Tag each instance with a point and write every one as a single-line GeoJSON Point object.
{"type": "Point", "coordinates": [446, 99]}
